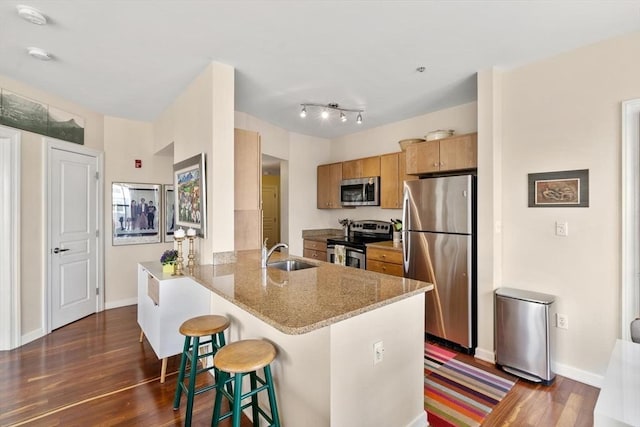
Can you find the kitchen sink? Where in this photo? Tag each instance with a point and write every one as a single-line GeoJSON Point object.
{"type": "Point", "coordinates": [290, 265]}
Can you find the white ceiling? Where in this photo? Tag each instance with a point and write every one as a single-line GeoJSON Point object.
{"type": "Point", "coordinates": [131, 58]}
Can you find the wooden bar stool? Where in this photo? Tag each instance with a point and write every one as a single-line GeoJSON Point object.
{"type": "Point", "coordinates": [193, 329]}
{"type": "Point", "coordinates": [241, 358]}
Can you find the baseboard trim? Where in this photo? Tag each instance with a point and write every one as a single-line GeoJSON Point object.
{"type": "Point", "coordinates": [120, 303]}
{"type": "Point", "coordinates": [578, 374]}
{"type": "Point", "coordinates": [420, 421]}
{"type": "Point", "coordinates": [486, 355]}
{"type": "Point", "coordinates": [561, 369]}
{"type": "Point", "coordinates": [32, 336]}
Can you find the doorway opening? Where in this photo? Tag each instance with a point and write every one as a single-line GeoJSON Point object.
{"type": "Point", "coordinates": [272, 200]}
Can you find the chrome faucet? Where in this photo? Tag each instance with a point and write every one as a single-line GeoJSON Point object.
{"type": "Point", "coordinates": [266, 255]}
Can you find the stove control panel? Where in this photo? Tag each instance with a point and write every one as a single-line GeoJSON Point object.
{"type": "Point", "coordinates": [372, 226]}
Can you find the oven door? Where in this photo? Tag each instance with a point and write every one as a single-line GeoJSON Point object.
{"type": "Point", "coordinates": [353, 257]}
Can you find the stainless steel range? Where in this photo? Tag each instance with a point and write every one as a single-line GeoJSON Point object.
{"type": "Point", "coordinates": [360, 233]}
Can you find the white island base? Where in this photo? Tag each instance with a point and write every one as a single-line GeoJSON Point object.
{"type": "Point", "coordinates": [327, 377]}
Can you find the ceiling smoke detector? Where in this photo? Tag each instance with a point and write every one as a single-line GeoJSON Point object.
{"type": "Point", "coordinates": [31, 14]}
{"type": "Point", "coordinates": [40, 54]}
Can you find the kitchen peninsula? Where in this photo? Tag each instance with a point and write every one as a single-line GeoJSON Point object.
{"type": "Point", "coordinates": [324, 322]}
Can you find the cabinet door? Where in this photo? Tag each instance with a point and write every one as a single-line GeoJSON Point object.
{"type": "Point", "coordinates": [459, 152]}
{"type": "Point", "coordinates": [370, 166]}
{"type": "Point", "coordinates": [328, 186]}
{"type": "Point", "coordinates": [247, 170]}
{"type": "Point", "coordinates": [351, 169]}
{"type": "Point", "coordinates": [361, 168]}
{"type": "Point", "coordinates": [423, 157]}
{"type": "Point", "coordinates": [402, 176]}
{"type": "Point", "coordinates": [389, 181]}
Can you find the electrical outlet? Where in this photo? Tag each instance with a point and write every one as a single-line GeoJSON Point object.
{"type": "Point", "coordinates": [562, 321]}
{"type": "Point", "coordinates": [562, 228]}
{"type": "Point", "coordinates": [378, 352]}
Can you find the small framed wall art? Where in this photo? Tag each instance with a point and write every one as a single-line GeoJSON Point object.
{"type": "Point", "coordinates": [136, 213]}
{"type": "Point", "coordinates": [169, 212]}
{"type": "Point", "coordinates": [562, 189]}
{"type": "Point", "coordinates": [190, 194]}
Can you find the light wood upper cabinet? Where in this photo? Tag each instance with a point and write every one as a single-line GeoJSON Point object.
{"type": "Point", "coordinates": [361, 168]}
{"type": "Point", "coordinates": [392, 177]}
{"type": "Point", "coordinates": [448, 154]}
{"type": "Point", "coordinates": [248, 170]}
{"type": "Point", "coordinates": [328, 186]}
{"type": "Point", "coordinates": [248, 190]}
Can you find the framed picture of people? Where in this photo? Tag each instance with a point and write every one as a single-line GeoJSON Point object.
{"type": "Point", "coordinates": [190, 194]}
{"type": "Point", "coordinates": [136, 213]}
{"type": "Point", "coordinates": [169, 212]}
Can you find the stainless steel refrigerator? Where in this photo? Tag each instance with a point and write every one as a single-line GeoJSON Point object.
{"type": "Point", "coordinates": [439, 247]}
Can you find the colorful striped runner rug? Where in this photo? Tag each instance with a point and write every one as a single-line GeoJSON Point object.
{"type": "Point", "coordinates": [456, 393]}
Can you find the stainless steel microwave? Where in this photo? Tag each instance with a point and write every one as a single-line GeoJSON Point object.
{"type": "Point", "coordinates": [360, 191]}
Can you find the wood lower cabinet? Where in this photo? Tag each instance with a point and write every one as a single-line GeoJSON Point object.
{"type": "Point", "coordinates": [382, 260]}
{"type": "Point", "coordinates": [392, 178]}
{"type": "Point", "coordinates": [315, 249]}
{"type": "Point", "coordinates": [448, 154]}
{"type": "Point", "coordinates": [328, 186]}
{"type": "Point", "coordinates": [361, 168]}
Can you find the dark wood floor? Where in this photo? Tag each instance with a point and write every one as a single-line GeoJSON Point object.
{"type": "Point", "coordinates": [564, 403]}
{"type": "Point", "coordinates": [95, 372]}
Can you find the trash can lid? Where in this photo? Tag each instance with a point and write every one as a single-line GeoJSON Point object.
{"type": "Point", "coordinates": [521, 294]}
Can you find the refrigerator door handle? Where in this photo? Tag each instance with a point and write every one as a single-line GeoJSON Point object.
{"type": "Point", "coordinates": [405, 225]}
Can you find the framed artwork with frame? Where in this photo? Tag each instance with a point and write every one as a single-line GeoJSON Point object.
{"type": "Point", "coordinates": [136, 213]}
{"type": "Point", "coordinates": [562, 189]}
{"type": "Point", "coordinates": [169, 212]}
{"type": "Point", "coordinates": [190, 194]}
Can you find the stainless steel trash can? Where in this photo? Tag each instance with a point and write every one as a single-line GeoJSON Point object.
{"type": "Point", "coordinates": [524, 337]}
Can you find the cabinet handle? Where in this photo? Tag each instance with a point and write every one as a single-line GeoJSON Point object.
{"type": "Point", "coordinates": [441, 163]}
{"type": "Point", "coordinates": [435, 164]}
{"type": "Point", "coordinates": [384, 256]}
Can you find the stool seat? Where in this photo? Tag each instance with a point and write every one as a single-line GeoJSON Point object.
{"type": "Point", "coordinates": [234, 362]}
{"type": "Point", "coordinates": [244, 356]}
{"type": "Point", "coordinates": [204, 325]}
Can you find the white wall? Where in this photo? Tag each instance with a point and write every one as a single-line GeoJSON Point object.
{"type": "Point", "coordinates": [33, 251]}
{"type": "Point", "coordinates": [559, 114]}
{"type": "Point", "coordinates": [301, 155]}
{"type": "Point", "coordinates": [201, 120]}
{"type": "Point", "coordinates": [125, 141]}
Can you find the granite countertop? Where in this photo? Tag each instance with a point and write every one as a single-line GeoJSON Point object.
{"type": "Point", "coordinates": [301, 301]}
{"type": "Point", "coordinates": [387, 244]}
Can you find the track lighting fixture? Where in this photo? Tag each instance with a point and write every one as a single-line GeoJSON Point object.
{"type": "Point", "coordinates": [327, 108]}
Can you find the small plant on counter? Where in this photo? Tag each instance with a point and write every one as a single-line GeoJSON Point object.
{"type": "Point", "coordinates": [169, 256]}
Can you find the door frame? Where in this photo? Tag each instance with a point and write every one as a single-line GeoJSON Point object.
{"type": "Point", "coordinates": [630, 265]}
{"type": "Point", "coordinates": [56, 144]}
{"type": "Point", "coordinates": [11, 337]}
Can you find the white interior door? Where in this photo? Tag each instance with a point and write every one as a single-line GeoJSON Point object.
{"type": "Point", "coordinates": [10, 336]}
{"type": "Point", "coordinates": [73, 228]}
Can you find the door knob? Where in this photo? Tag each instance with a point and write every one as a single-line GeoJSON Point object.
{"type": "Point", "coordinates": [56, 250]}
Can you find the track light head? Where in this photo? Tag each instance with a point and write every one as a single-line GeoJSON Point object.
{"type": "Point", "coordinates": [325, 114]}
{"type": "Point", "coordinates": [303, 112]}
{"type": "Point", "coordinates": [343, 118]}
{"type": "Point", "coordinates": [359, 119]}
